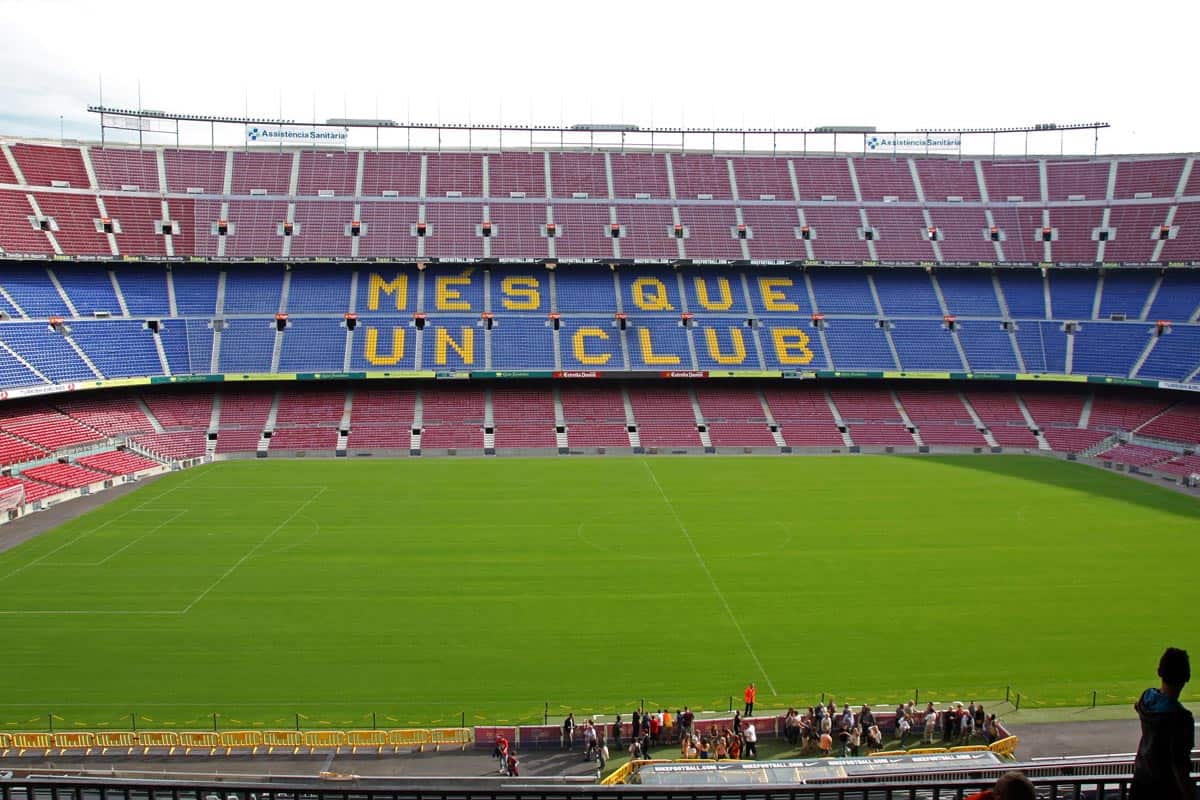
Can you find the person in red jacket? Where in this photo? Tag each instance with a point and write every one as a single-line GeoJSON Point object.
{"type": "Point", "coordinates": [1010, 786]}
{"type": "Point", "coordinates": [750, 695]}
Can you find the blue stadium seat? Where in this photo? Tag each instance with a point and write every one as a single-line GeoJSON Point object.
{"type": "Point", "coordinates": [590, 343]}
{"type": "Point", "coordinates": [1072, 294]}
{"type": "Point", "coordinates": [906, 293]}
{"type": "Point", "coordinates": [385, 343]}
{"type": "Point", "coordinates": [453, 342]}
{"type": "Point", "coordinates": [650, 291]}
{"type": "Point", "coordinates": [318, 289]}
{"type": "Point", "coordinates": [585, 288]}
{"type": "Point", "coordinates": [658, 344]}
{"type": "Point", "coordinates": [390, 290]}
{"type": "Point", "coordinates": [1043, 346]}
{"type": "Point", "coordinates": [145, 290]}
{"type": "Point", "coordinates": [520, 290]}
{"type": "Point", "coordinates": [195, 290]}
{"type": "Point", "coordinates": [1109, 348]}
{"type": "Point", "coordinates": [988, 346]}
{"type": "Point", "coordinates": [89, 288]}
{"type": "Point", "coordinates": [253, 289]}
{"type": "Point", "coordinates": [1175, 355]}
{"type": "Point", "coordinates": [842, 291]}
{"type": "Point", "coordinates": [246, 345]}
{"type": "Point", "coordinates": [1126, 292]}
{"type": "Point", "coordinates": [723, 292]}
{"type": "Point", "coordinates": [14, 374]}
{"type": "Point", "coordinates": [48, 352]}
{"type": "Point", "coordinates": [1178, 298]}
{"type": "Point", "coordinates": [31, 289]}
{"type": "Point", "coordinates": [787, 344]}
{"type": "Point", "coordinates": [858, 344]}
{"type": "Point", "coordinates": [522, 343]}
{"type": "Point", "coordinates": [969, 292]}
{"type": "Point", "coordinates": [1024, 293]}
{"type": "Point", "coordinates": [925, 345]}
{"type": "Point", "coordinates": [313, 345]}
{"type": "Point", "coordinates": [175, 342]}
{"type": "Point", "coordinates": [118, 348]}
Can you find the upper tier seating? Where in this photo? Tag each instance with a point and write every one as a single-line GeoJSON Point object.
{"type": "Point", "coordinates": [863, 207]}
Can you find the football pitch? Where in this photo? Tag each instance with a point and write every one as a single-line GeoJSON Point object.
{"type": "Point", "coordinates": [431, 591]}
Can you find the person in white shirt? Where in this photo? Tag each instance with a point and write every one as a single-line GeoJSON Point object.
{"type": "Point", "coordinates": [751, 737]}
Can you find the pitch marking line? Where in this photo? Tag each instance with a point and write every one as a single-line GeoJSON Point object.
{"type": "Point", "coordinates": [704, 566]}
{"type": "Point", "coordinates": [118, 551]}
{"type": "Point", "coordinates": [89, 532]}
{"type": "Point", "coordinates": [255, 549]}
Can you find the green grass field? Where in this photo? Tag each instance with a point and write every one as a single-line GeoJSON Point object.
{"type": "Point", "coordinates": [427, 590]}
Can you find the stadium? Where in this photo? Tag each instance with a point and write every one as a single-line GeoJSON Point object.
{"type": "Point", "coordinates": [348, 450]}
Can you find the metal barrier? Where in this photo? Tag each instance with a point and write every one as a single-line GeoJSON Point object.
{"type": "Point", "coordinates": [202, 740]}
{"type": "Point", "coordinates": [1099, 787]}
{"type": "Point", "coordinates": [292, 739]}
{"type": "Point", "coordinates": [107, 740]}
{"type": "Point", "coordinates": [242, 742]}
{"type": "Point", "coordinates": [74, 741]}
{"type": "Point", "coordinates": [166, 740]}
{"type": "Point", "coordinates": [450, 736]}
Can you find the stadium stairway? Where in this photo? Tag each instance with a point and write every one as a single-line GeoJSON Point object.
{"type": "Point", "coordinates": [979, 423]}
{"type": "Point", "coordinates": [908, 423]}
{"type": "Point", "coordinates": [635, 439]}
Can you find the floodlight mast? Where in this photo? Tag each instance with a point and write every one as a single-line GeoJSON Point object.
{"type": "Point", "coordinates": [622, 131]}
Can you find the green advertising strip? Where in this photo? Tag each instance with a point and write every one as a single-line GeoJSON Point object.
{"type": "Point", "coordinates": [400, 375]}
{"type": "Point", "coordinates": [1051, 377]}
{"type": "Point", "coordinates": [330, 376]}
{"type": "Point", "coordinates": [1121, 381]}
{"type": "Point", "coordinates": [824, 373]}
{"type": "Point", "coordinates": [746, 373]}
{"type": "Point", "coordinates": [928, 376]}
{"type": "Point", "coordinates": [488, 375]}
{"type": "Point", "coordinates": [983, 376]}
{"type": "Point", "coordinates": [187, 379]}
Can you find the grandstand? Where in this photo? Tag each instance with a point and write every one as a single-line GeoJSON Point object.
{"type": "Point", "coordinates": [165, 307]}
{"type": "Point", "coordinates": [159, 265]}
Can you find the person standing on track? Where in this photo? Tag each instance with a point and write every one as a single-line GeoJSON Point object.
{"type": "Point", "coordinates": [750, 694]}
{"type": "Point", "coordinates": [568, 731]}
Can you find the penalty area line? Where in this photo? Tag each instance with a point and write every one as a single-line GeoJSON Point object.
{"type": "Point", "coordinates": [255, 549]}
{"type": "Point", "coordinates": [712, 581]}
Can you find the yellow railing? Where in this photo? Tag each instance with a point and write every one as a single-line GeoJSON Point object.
{"type": "Point", "coordinates": [1006, 747]}
{"type": "Point", "coordinates": [241, 741]}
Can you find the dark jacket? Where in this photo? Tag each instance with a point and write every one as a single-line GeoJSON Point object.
{"type": "Point", "coordinates": [1168, 736]}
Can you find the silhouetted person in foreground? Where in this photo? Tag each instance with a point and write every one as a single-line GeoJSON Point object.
{"type": "Point", "coordinates": [1162, 768]}
{"type": "Point", "coordinates": [1010, 786]}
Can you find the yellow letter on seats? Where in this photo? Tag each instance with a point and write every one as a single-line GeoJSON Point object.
{"type": "Point", "coordinates": [466, 351]}
{"type": "Point", "coordinates": [648, 354]}
{"type": "Point", "coordinates": [581, 353]}
{"type": "Point", "coordinates": [791, 346]}
{"type": "Point", "coordinates": [397, 286]}
{"type": "Point", "coordinates": [650, 294]}
{"type": "Point", "coordinates": [774, 299]}
{"type": "Point", "coordinates": [521, 293]}
{"type": "Point", "coordinates": [372, 348]}
{"type": "Point", "coordinates": [738, 356]}
{"type": "Point", "coordinates": [726, 296]}
{"type": "Point", "coordinates": [449, 299]}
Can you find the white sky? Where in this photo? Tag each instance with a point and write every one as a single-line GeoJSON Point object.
{"type": "Point", "coordinates": [896, 65]}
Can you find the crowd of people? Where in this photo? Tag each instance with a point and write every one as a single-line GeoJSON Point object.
{"type": "Point", "coordinates": [821, 729]}
{"type": "Point", "coordinates": [1161, 769]}
{"type": "Point", "coordinates": [822, 726]}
